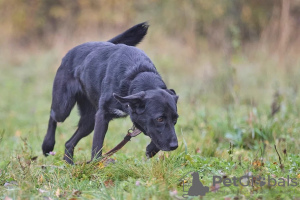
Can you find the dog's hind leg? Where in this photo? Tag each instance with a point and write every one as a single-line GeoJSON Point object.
{"type": "Point", "coordinates": [49, 140]}
{"type": "Point", "coordinates": [85, 126]}
{"type": "Point", "coordinates": [63, 100]}
{"type": "Point", "coordinates": [65, 90]}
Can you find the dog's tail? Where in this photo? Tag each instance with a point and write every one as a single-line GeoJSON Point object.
{"type": "Point", "coordinates": [132, 36]}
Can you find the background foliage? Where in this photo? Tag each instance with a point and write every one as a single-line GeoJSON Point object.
{"type": "Point", "coordinates": [239, 21]}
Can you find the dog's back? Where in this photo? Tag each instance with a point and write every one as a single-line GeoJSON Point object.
{"type": "Point", "coordinates": [77, 55]}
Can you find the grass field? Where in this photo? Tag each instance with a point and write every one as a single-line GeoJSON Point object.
{"type": "Point", "coordinates": [232, 113]}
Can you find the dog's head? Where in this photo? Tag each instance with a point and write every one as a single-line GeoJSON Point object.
{"type": "Point", "coordinates": [154, 112]}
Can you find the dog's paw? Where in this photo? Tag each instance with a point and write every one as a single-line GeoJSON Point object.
{"type": "Point", "coordinates": [47, 148]}
{"type": "Point", "coordinates": [151, 150]}
{"type": "Point", "coordinates": [68, 159]}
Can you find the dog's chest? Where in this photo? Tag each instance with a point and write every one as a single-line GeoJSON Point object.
{"type": "Point", "coordinates": [117, 112]}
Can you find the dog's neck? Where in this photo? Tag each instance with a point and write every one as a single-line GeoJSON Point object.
{"type": "Point", "coordinates": [146, 81]}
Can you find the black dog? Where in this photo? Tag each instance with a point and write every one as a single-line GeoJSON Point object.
{"type": "Point", "coordinates": [109, 80]}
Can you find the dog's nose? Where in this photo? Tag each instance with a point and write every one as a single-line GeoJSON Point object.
{"type": "Point", "coordinates": [173, 144]}
{"type": "Point", "coordinates": [173, 147]}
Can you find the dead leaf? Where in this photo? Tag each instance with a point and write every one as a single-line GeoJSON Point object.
{"type": "Point", "coordinates": [57, 193]}
{"type": "Point", "coordinates": [41, 179]}
{"type": "Point", "coordinates": [76, 193]}
{"type": "Point", "coordinates": [215, 188]}
{"type": "Point", "coordinates": [267, 142]}
{"type": "Point", "coordinates": [33, 158]}
{"type": "Point", "coordinates": [258, 163]}
{"type": "Point", "coordinates": [18, 133]}
{"type": "Point", "coordinates": [108, 183]}
{"type": "Point", "coordinates": [101, 165]}
{"type": "Point", "coordinates": [284, 151]}
{"type": "Point", "coordinates": [281, 166]}
{"type": "Point", "coordinates": [161, 157]}
{"type": "Point", "coordinates": [182, 182]}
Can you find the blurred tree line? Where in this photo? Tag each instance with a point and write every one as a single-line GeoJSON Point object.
{"type": "Point", "coordinates": [221, 22]}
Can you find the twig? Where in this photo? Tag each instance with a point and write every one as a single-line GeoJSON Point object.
{"type": "Point", "coordinates": [277, 154]}
{"type": "Point", "coordinates": [1, 135]}
{"type": "Point", "coordinates": [281, 165]}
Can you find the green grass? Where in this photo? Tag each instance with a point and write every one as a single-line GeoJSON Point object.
{"type": "Point", "coordinates": [225, 129]}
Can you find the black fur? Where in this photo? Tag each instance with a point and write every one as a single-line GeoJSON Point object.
{"type": "Point", "coordinates": [109, 80]}
{"type": "Point", "coordinates": [132, 36]}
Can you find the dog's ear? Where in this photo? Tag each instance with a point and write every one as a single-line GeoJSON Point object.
{"type": "Point", "coordinates": [135, 101]}
{"type": "Point", "coordinates": [176, 98]}
{"type": "Point", "coordinates": [173, 93]}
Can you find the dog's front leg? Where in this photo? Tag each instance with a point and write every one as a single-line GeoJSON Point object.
{"type": "Point", "coordinates": [151, 150]}
{"type": "Point", "coordinates": [101, 125]}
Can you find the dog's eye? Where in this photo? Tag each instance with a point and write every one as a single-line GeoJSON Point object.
{"type": "Point", "coordinates": [160, 119]}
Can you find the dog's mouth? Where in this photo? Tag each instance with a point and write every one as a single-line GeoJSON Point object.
{"type": "Point", "coordinates": [165, 147]}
